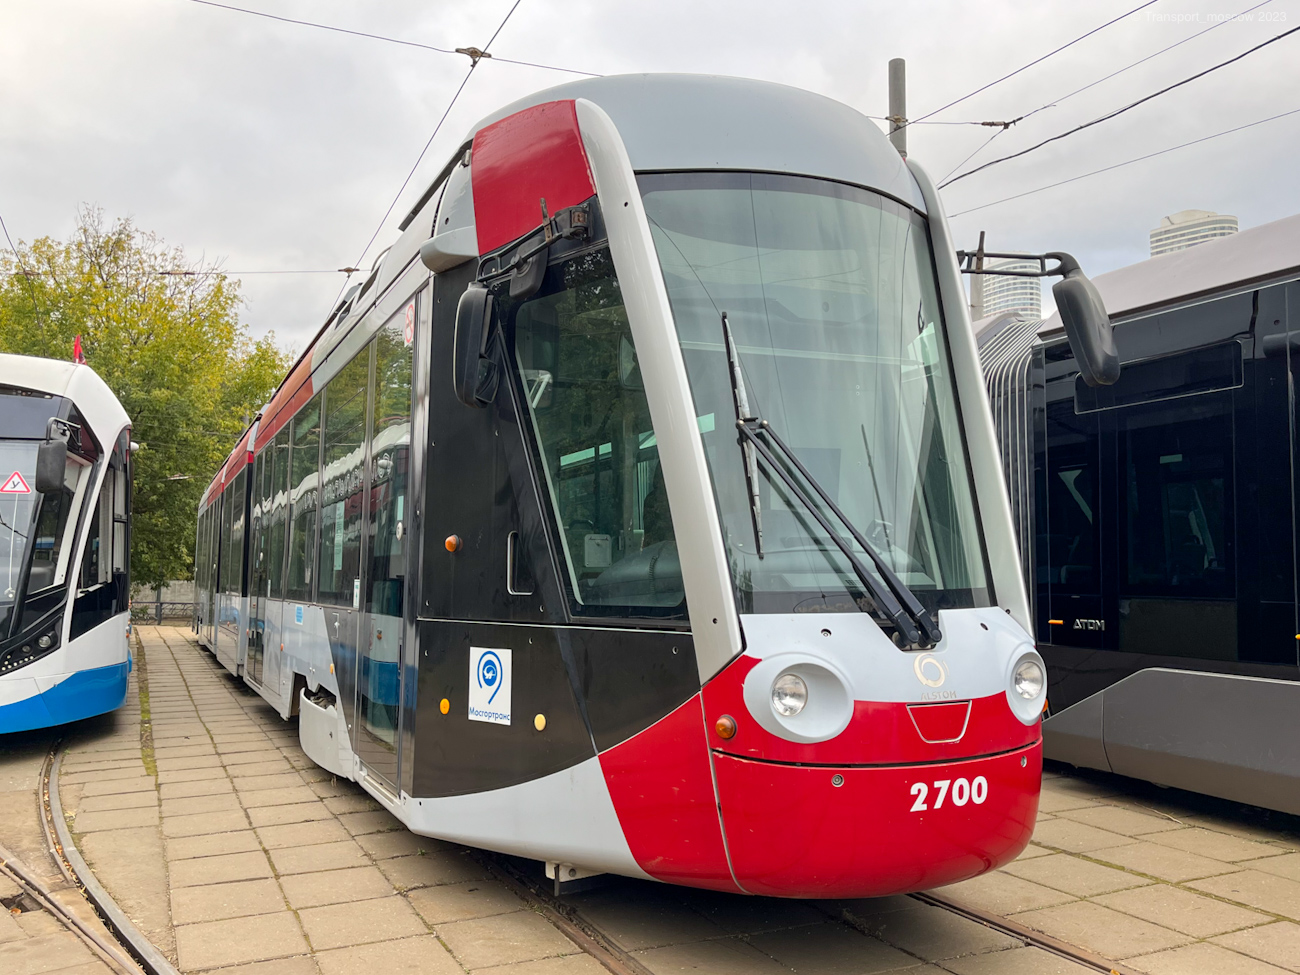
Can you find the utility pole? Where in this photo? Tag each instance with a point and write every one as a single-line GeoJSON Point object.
{"type": "Point", "coordinates": [977, 284]}
{"type": "Point", "coordinates": [898, 105]}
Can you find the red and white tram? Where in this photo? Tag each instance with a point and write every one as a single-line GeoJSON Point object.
{"type": "Point", "coordinates": [641, 513]}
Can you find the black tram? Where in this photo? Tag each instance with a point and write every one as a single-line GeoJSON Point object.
{"type": "Point", "coordinates": [1157, 518]}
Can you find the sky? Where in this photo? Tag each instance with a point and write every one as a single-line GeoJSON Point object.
{"type": "Point", "coordinates": [268, 146]}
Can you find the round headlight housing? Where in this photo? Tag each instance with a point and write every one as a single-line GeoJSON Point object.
{"type": "Point", "coordinates": [1029, 679]}
{"type": "Point", "coordinates": [789, 695]}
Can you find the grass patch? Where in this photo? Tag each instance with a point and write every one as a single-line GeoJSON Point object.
{"type": "Point", "coordinates": [146, 721]}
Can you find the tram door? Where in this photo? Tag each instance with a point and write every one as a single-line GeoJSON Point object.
{"type": "Point", "coordinates": [383, 575]}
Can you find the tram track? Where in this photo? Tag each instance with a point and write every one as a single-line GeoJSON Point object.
{"type": "Point", "coordinates": [589, 935]}
{"type": "Point", "coordinates": [120, 945]}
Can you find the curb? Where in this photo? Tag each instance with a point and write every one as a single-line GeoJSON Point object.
{"type": "Point", "coordinates": [153, 961]}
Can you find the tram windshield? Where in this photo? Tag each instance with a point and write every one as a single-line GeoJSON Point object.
{"type": "Point", "coordinates": [831, 298]}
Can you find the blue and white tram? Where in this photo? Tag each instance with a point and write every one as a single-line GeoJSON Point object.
{"type": "Point", "coordinates": [65, 536]}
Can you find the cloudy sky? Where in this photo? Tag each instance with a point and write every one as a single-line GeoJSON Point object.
{"type": "Point", "coordinates": [269, 146]}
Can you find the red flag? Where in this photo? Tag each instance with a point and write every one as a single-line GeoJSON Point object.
{"type": "Point", "coordinates": [77, 355]}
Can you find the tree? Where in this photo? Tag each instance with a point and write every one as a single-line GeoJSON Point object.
{"type": "Point", "coordinates": [164, 333]}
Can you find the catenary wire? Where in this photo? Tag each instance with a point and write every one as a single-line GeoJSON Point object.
{"type": "Point", "coordinates": [1127, 162]}
{"type": "Point", "coordinates": [1040, 60]}
{"type": "Point", "coordinates": [419, 159]}
{"type": "Point", "coordinates": [1120, 111]}
{"type": "Point", "coordinates": [1092, 84]}
{"type": "Point", "coordinates": [22, 267]}
{"type": "Point", "coordinates": [382, 37]}
{"type": "Point", "coordinates": [1191, 37]}
{"type": "Point", "coordinates": [982, 146]}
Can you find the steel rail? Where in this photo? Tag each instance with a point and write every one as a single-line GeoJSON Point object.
{"type": "Point", "coordinates": [571, 922]}
{"type": "Point", "coordinates": [1026, 934]}
{"type": "Point", "coordinates": [43, 897]}
{"type": "Point", "coordinates": [142, 950]}
{"type": "Point", "coordinates": [589, 936]}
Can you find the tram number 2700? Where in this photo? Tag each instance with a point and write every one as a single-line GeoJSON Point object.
{"type": "Point", "coordinates": [962, 791]}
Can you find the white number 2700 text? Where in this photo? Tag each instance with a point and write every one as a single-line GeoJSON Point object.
{"type": "Point", "coordinates": [956, 791]}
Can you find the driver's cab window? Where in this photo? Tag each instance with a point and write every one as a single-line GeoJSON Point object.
{"type": "Point", "coordinates": [587, 402]}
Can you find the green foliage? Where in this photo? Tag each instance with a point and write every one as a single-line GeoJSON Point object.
{"type": "Point", "coordinates": [165, 335]}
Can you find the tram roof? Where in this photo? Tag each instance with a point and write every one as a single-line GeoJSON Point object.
{"type": "Point", "coordinates": [696, 121]}
{"type": "Point", "coordinates": [98, 405]}
{"type": "Point", "coordinates": [1251, 256]}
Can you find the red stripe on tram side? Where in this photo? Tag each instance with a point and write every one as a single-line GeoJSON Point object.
{"type": "Point", "coordinates": [532, 155]}
{"type": "Point", "coordinates": [295, 391]}
{"type": "Point", "coordinates": [662, 786]}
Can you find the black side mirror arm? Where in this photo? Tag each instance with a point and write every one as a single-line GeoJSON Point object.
{"type": "Point", "coordinates": [1083, 313]}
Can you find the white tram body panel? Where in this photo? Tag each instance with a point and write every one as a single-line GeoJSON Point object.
{"type": "Point", "coordinates": [533, 562]}
{"type": "Point", "coordinates": [64, 601]}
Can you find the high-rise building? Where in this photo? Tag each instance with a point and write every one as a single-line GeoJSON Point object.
{"type": "Point", "coordinates": [1003, 293]}
{"type": "Point", "coordinates": [1187, 228]}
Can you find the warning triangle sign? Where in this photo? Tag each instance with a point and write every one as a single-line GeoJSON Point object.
{"type": "Point", "coordinates": [14, 484]}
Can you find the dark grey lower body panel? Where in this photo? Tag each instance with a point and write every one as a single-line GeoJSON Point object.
{"type": "Point", "coordinates": [1233, 737]}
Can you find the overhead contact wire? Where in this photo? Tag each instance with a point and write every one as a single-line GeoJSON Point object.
{"type": "Point", "coordinates": [381, 37]}
{"type": "Point", "coordinates": [436, 129]}
{"type": "Point", "coordinates": [1120, 111]}
{"type": "Point", "coordinates": [1127, 162]}
{"type": "Point", "coordinates": [1040, 60]}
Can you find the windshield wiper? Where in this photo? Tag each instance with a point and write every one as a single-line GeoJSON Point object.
{"type": "Point", "coordinates": [742, 410]}
{"type": "Point", "coordinates": [915, 627]}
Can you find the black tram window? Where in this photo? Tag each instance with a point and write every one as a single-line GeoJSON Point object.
{"type": "Point", "coordinates": [583, 387]}
{"type": "Point", "coordinates": [339, 553]}
{"type": "Point", "coordinates": [279, 516]}
{"type": "Point", "coordinates": [1177, 583]}
{"type": "Point", "coordinates": [304, 475]}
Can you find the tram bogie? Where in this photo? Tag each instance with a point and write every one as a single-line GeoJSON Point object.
{"type": "Point", "coordinates": [65, 509]}
{"type": "Point", "coordinates": [641, 512]}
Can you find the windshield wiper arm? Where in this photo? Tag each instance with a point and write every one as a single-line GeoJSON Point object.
{"type": "Point", "coordinates": [741, 400]}
{"type": "Point", "coordinates": [915, 625]}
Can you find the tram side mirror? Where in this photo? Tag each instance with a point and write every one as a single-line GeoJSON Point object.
{"type": "Point", "coordinates": [473, 369]}
{"type": "Point", "coordinates": [1087, 325]}
{"type": "Point", "coordinates": [51, 461]}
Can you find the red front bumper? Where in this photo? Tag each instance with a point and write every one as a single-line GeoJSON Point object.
{"type": "Point", "coordinates": [791, 832]}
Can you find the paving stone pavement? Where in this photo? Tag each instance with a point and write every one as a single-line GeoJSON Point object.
{"type": "Point", "coordinates": [272, 866]}
{"type": "Point", "coordinates": [31, 940]}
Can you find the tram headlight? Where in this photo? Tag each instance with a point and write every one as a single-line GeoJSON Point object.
{"type": "Point", "coordinates": [789, 695]}
{"type": "Point", "coordinates": [1026, 677]}
{"type": "Point", "coordinates": [44, 641]}
{"type": "Point", "coordinates": [1029, 677]}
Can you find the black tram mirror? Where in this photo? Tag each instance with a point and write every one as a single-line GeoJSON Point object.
{"type": "Point", "coordinates": [1087, 325]}
{"type": "Point", "coordinates": [474, 371]}
{"type": "Point", "coordinates": [1083, 313]}
{"type": "Point", "coordinates": [51, 461]}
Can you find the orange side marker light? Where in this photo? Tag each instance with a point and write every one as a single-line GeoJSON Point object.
{"type": "Point", "coordinates": [452, 543]}
{"type": "Point", "coordinates": [725, 726]}
{"type": "Point", "coordinates": [444, 705]}
{"type": "Point", "coordinates": [1056, 622]}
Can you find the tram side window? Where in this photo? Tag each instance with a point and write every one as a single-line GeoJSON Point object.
{"type": "Point", "coordinates": [96, 556]}
{"type": "Point", "coordinates": [1177, 579]}
{"type": "Point", "coordinates": [390, 447]}
{"type": "Point", "coordinates": [588, 406]}
{"type": "Point", "coordinates": [339, 552]}
{"type": "Point", "coordinates": [237, 533]}
{"type": "Point", "coordinates": [304, 476]}
{"type": "Point", "coordinates": [1072, 516]}
{"type": "Point", "coordinates": [279, 514]}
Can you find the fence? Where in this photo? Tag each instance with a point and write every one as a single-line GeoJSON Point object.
{"type": "Point", "coordinates": [158, 610]}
